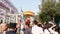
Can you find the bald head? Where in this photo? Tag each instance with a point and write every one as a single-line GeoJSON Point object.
{"type": "Point", "coordinates": [3, 26]}
{"type": "Point", "coordinates": [3, 23]}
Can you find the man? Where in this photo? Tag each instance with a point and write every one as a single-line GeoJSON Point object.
{"type": "Point", "coordinates": [3, 27]}
{"type": "Point", "coordinates": [27, 29]}
{"type": "Point", "coordinates": [11, 28]}
{"type": "Point", "coordinates": [36, 29]}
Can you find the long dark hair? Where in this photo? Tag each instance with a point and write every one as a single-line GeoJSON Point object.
{"type": "Point", "coordinates": [56, 28]}
{"type": "Point", "coordinates": [40, 25]}
{"type": "Point", "coordinates": [47, 25]}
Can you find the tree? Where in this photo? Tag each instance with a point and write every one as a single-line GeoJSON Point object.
{"type": "Point", "coordinates": [44, 18]}
{"type": "Point", "coordinates": [58, 8]}
{"type": "Point", "coordinates": [48, 11]}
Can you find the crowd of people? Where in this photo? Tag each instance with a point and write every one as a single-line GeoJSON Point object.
{"type": "Point", "coordinates": [27, 28]}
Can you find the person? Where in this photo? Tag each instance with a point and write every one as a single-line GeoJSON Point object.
{"type": "Point", "coordinates": [41, 28]}
{"type": "Point", "coordinates": [18, 28]}
{"type": "Point", "coordinates": [28, 21]}
{"type": "Point", "coordinates": [0, 28]}
{"type": "Point", "coordinates": [53, 29]}
{"type": "Point", "coordinates": [36, 29]}
{"type": "Point", "coordinates": [46, 28]}
{"type": "Point", "coordinates": [0, 25]}
{"type": "Point", "coordinates": [21, 26]}
{"type": "Point", "coordinates": [27, 29]}
{"type": "Point", "coordinates": [11, 28]}
{"type": "Point", "coordinates": [3, 28]}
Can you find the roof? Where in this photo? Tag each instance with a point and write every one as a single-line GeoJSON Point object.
{"type": "Point", "coordinates": [29, 13]}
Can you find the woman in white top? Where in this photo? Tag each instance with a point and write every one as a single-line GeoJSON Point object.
{"type": "Point", "coordinates": [36, 29]}
{"type": "Point", "coordinates": [46, 29]}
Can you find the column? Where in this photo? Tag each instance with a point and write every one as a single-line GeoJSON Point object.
{"type": "Point", "coordinates": [3, 19]}
{"type": "Point", "coordinates": [16, 19]}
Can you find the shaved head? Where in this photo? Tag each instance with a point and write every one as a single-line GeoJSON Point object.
{"type": "Point", "coordinates": [3, 26]}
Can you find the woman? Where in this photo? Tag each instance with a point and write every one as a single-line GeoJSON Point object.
{"type": "Point", "coordinates": [36, 29]}
{"type": "Point", "coordinates": [46, 29]}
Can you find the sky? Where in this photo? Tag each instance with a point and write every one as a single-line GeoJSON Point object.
{"type": "Point", "coordinates": [27, 5]}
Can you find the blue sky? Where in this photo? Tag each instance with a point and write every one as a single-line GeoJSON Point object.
{"type": "Point", "coordinates": [27, 4]}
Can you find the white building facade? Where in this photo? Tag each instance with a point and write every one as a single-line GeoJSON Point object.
{"type": "Point", "coordinates": [6, 8]}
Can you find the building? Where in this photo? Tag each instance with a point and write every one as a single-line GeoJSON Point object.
{"type": "Point", "coordinates": [5, 4]}
{"type": "Point", "coordinates": [6, 7]}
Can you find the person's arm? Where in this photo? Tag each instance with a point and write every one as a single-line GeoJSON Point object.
{"type": "Point", "coordinates": [52, 26]}
{"type": "Point", "coordinates": [50, 29]}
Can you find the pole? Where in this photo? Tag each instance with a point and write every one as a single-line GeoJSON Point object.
{"type": "Point", "coordinates": [16, 19]}
{"type": "Point", "coordinates": [3, 19]}
{"type": "Point", "coordinates": [10, 10]}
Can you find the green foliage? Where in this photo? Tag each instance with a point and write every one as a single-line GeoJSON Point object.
{"type": "Point", "coordinates": [44, 17]}
{"type": "Point", "coordinates": [49, 10]}
{"type": "Point", "coordinates": [58, 8]}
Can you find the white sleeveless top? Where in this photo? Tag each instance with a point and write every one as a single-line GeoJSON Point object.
{"type": "Point", "coordinates": [46, 31]}
{"type": "Point", "coordinates": [37, 30]}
